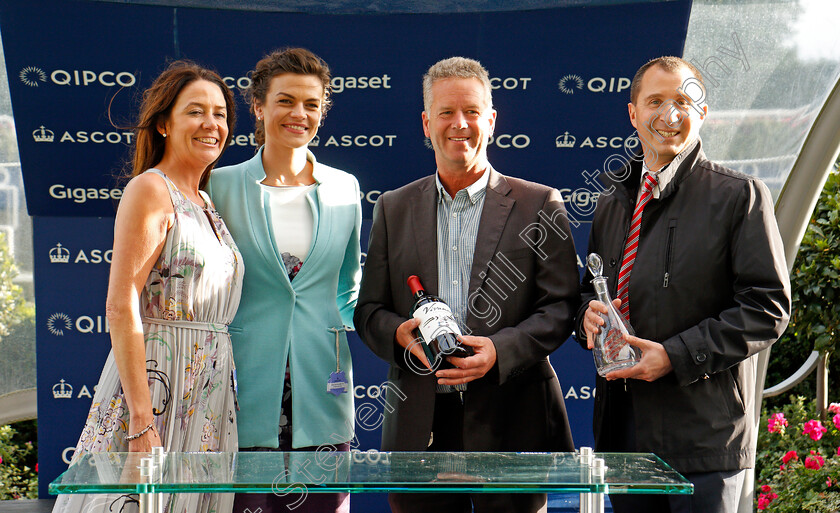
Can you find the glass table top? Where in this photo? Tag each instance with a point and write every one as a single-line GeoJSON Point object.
{"type": "Point", "coordinates": [371, 471]}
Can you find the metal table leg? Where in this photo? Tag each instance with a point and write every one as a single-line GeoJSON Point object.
{"type": "Point", "coordinates": [152, 469]}
{"type": "Point", "coordinates": [586, 457]}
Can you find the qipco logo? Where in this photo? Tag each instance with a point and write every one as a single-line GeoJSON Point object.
{"type": "Point", "coordinates": [506, 141]}
{"type": "Point", "coordinates": [34, 76]}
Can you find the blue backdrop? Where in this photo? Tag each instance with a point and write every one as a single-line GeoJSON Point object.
{"type": "Point", "coordinates": [561, 85]}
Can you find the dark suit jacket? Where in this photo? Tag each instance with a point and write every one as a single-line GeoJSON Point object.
{"type": "Point", "coordinates": [523, 295]}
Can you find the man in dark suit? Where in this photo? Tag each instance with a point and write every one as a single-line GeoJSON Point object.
{"type": "Point", "coordinates": [499, 251]}
{"type": "Point", "coordinates": [695, 262]}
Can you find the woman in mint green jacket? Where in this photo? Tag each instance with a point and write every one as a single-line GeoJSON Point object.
{"type": "Point", "coordinates": [297, 224]}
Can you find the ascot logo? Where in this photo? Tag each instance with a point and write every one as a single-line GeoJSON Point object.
{"type": "Point", "coordinates": [315, 141]}
{"type": "Point", "coordinates": [62, 390]}
{"type": "Point", "coordinates": [565, 141]}
{"type": "Point", "coordinates": [386, 140]}
{"type": "Point", "coordinates": [58, 322]}
{"type": "Point", "coordinates": [43, 135]}
{"type": "Point", "coordinates": [32, 76]}
{"type": "Point", "coordinates": [569, 83]}
{"type": "Point", "coordinates": [59, 255]}
{"type": "Point", "coordinates": [569, 141]}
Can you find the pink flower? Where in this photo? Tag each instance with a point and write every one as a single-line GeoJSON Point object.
{"type": "Point", "coordinates": [814, 429]}
{"type": "Point", "coordinates": [776, 423]}
{"type": "Point", "coordinates": [36, 468]}
{"type": "Point", "coordinates": [763, 501]}
{"type": "Point", "coordinates": [836, 421]}
{"type": "Point", "coordinates": [790, 455]}
{"type": "Point", "coordinates": [834, 407]}
{"type": "Point", "coordinates": [838, 451]}
{"type": "Point", "coordinates": [814, 462]}
{"type": "Point", "coordinates": [766, 488]}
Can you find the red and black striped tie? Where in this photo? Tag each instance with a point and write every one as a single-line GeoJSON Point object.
{"type": "Point", "coordinates": [632, 245]}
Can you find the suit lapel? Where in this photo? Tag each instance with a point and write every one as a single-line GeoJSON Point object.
{"type": "Point", "coordinates": [258, 215]}
{"type": "Point", "coordinates": [321, 222]}
{"type": "Point", "coordinates": [497, 208]}
{"type": "Point", "coordinates": [424, 223]}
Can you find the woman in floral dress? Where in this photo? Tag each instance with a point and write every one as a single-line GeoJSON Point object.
{"type": "Point", "coordinates": [175, 283]}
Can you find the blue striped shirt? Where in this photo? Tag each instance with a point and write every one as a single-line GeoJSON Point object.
{"type": "Point", "coordinates": [457, 227]}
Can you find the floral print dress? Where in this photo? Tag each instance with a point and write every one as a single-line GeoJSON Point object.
{"type": "Point", "coordinates": [190, 296]}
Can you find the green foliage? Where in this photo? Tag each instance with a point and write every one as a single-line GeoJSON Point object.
{"type": "Point", "coordinates": [815, 287]}
{"type": "Point", "coordinates": [789, 486]}
{"type": "Point", "coordinates": [13, 307]}
{"type": "Point", "coordinates": [18, 467]}
{"type": "Point", "coordinates": [815, 278]}
{"type": "Point", "coordinates": [17, 328]}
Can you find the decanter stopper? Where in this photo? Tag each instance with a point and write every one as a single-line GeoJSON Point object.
{"type": "Point", "coordinates": [595, 264]}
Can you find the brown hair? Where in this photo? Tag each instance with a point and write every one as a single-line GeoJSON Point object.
{"type": "Point", "coordinates": [285, 60]}
{"type": "Point", "coordinates": [157, 104]}
{"type": "Point", "coordinates": [668, 63]}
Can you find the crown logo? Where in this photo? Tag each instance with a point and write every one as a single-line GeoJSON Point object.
{"type": "Point", "coordinates": [57, 323]}
{"type": "Point", "coordinates": [315, 141]}
{"type": "Point", "coordinates": [569, 83]}
{"type": "Point", "coordinates": [62, 390]}
{"type": "Point", "coordinates": [59, 255]}
{"type": "Point", "coordinates": [565, 141]}
{"type": "Point", "coordinates": [43, 135]}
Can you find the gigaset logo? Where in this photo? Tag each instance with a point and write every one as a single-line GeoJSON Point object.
{"type": "Point", "coordinates": [337, 84]}
{"type": "Point", "coordinates": [81, 194]}
{"type": "Point", "coordinates": [34, 76]}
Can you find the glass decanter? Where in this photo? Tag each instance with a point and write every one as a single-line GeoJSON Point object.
{"type": "Point", "coordinates": [611, 351]}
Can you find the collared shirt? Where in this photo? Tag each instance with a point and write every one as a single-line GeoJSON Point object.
{"type": "Point", "coordinates": [664, 175]}
{"type": "Point", "coordinates": [457, 227]}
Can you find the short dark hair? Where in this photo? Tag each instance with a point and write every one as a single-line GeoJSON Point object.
{"type": "Point", "coordinates": [668, 63]}
{"type": "Point", "coordinates": [299, 61]}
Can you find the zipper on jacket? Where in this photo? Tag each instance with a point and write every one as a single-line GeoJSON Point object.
{"type": "Point", "coordinates": [669, 251]}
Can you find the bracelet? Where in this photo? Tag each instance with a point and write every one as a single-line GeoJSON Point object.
{"type": "Point", "coordinates": [140, 433]}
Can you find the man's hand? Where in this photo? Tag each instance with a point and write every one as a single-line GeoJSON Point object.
{"type": "Point", "coordinates": [592, 320]}
{"type": "Point", "coordinates": [405, 338]}
{"type": "Point", "coordinates": [654, 364]}
{"type": "Point", "coordinates": [470, 368]}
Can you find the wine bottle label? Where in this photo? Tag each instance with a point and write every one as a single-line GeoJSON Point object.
{"type": "Point", "coordinates": [436, 319]}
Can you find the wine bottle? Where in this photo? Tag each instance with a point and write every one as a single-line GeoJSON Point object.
{"type": "Point", "coordinates": [611, 351]}
{"type": "Point", "coordinates": [438, 328]}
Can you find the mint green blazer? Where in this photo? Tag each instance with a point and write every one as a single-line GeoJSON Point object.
{"type": "Point", "coordinates": [279, 320]}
